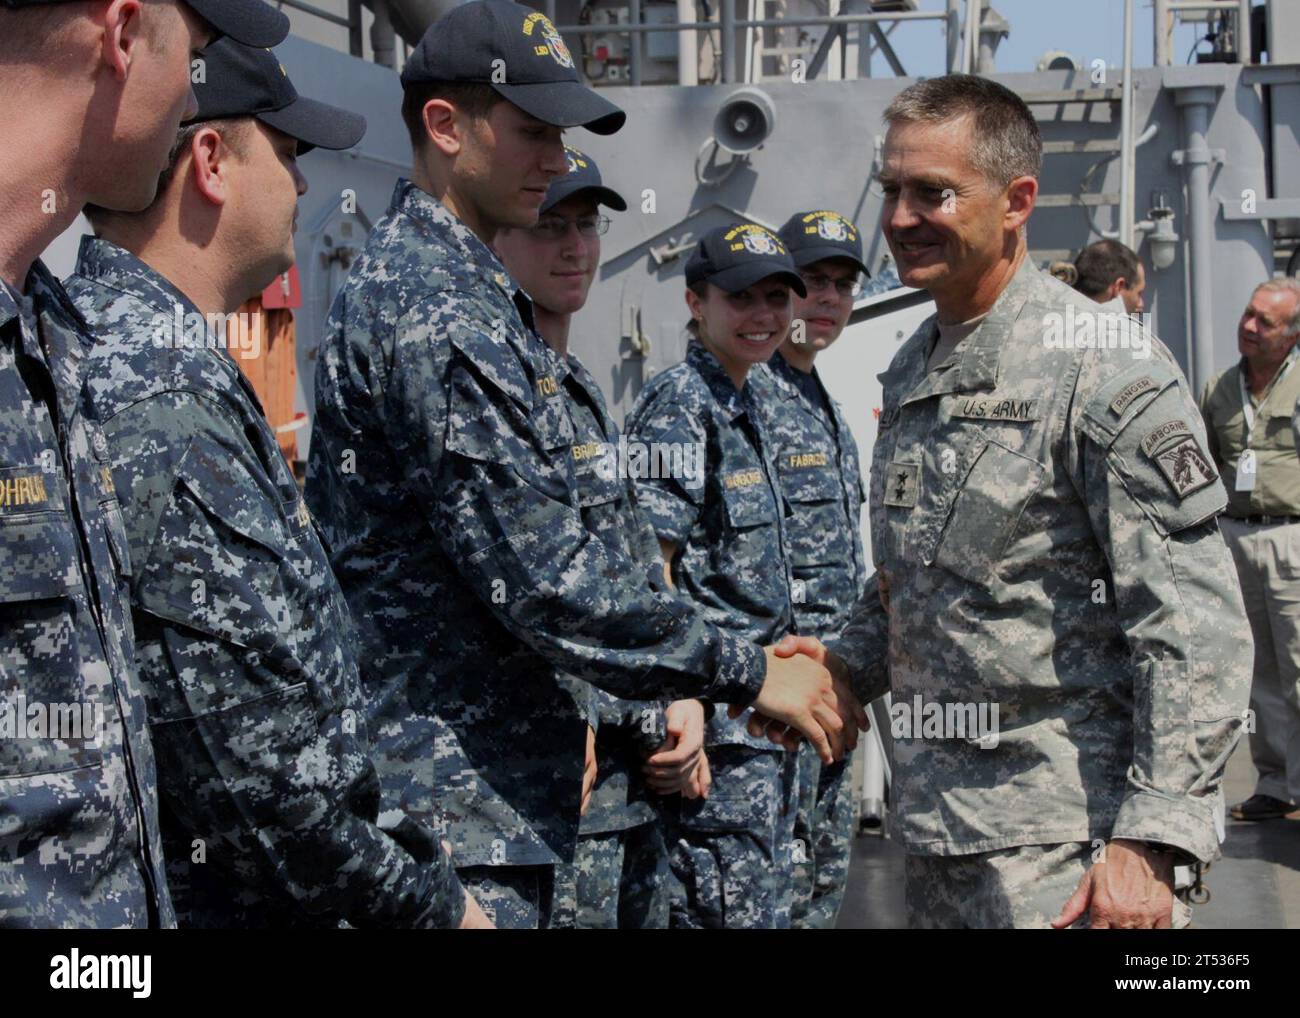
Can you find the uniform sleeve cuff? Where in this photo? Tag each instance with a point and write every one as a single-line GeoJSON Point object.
{"type": "Point", "coordinates": [448, 905]}
{"type": "Point", "coordinates": [868, 674]}
{"type": "Point", "coordinates": [742, 669]}
{"type": "Point", "coordinates": [1178, 823]}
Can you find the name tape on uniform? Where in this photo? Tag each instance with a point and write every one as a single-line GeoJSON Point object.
{"type": "Point", "coordinates": [804, 460]}
{"type": "Point", "coordinates": [996, 408]}
{"type": "Point", "coordinates": [742, 479]}
{"type": "Point", "coordinates": [23, 490]}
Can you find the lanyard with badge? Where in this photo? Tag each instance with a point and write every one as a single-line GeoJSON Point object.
{"type": "Point", "coordinates": [1246, 467]}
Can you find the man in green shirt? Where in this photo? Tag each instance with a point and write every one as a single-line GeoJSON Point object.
{"type": "Point", "coordinates": [1251, 412]}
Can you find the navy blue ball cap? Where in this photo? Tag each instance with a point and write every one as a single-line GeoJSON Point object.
{"type": "Point", "coordinates": [247, 81]}
{"type": "Point", "coordinates": [736, 256]}
{"type": "Point", "coordinates": [821, 234]}
{"type": "Point", "coordinates": [583, 178]}
{"type": "Point", "coordinates": [519, 53]}
{"type": "Point", "coordinates": [251, 22]}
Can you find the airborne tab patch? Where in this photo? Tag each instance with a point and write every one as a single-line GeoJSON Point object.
{"type": "Point", "coordinates": [995, 408]}
{"type": "Point", "coordinates": [902, 480]}
{"type": "Point", "coordinates": [1166, 431]}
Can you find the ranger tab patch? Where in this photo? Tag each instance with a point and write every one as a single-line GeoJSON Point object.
{"type": "Point", "coordinates": [1131, 392]}
{"type": "Point", "coordinates": [902, 480]}
{"type": "Point", "coordinates": [996, 408]}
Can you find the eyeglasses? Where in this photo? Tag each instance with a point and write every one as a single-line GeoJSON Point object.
{"type": "Point", "coordinates": [557, 227]}
{"type": "Point", "coordinates": [816, 282]}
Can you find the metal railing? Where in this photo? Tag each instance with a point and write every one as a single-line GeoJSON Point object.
{"type": "Point", "coordinates": [961, 35]}
{"type": "Point", "coordinates": [728, 25]}
{"type": "Point", "coordinates": [1165, 13]}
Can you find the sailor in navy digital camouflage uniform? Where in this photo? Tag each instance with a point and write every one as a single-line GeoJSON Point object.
{"type": "Point", "coordinates": [442, 471]}
{"type": "Point", "coordinates": [79, 837]}
{"type": "Point", "coordinates": [269, 795]}
{"type": "Point", "coordinates": [722, 534]}
{"type": "Point", "coordinates": [817, 462]}
{"type": "Point", "coordinates": [619, 842]}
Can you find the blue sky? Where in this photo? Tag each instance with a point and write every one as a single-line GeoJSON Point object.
{"type": "Point", "coordinates": [1087, 29]}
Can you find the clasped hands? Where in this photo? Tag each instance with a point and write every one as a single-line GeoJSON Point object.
{"type": "Point", "coordinates": [678, 765]}
{"type": "Point", "coordinates": [807, 694]}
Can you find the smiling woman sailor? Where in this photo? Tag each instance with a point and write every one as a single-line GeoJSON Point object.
{"type": "Point", "coordinates": [724, 549]}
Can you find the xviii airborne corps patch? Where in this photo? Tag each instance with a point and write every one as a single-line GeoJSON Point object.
{"type": "Point", "coordinates": [1176, 452]}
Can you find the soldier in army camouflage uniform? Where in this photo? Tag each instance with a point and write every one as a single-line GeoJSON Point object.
{"type": "Point", "coordinates": [817, 464]}
{"type": "Point", "coordinates": [441, 469]}
{"type": "Point", "coordinates": [722, 534]}
{"type": "Point", "coordinates": [1044, 535]}
{"type": "Point", "coordinates": [79, 838]}
{"type": "Point", "coordinates": [555, 262]}
{"type": "Point", "coordinates": [269, 795]}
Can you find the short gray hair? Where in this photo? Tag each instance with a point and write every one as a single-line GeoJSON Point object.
{"type": "Point", "coordinates": [1285, 284]}
{"type": "Point", "coordinates": [1007, 142]}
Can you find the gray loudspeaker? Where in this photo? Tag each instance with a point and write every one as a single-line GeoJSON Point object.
{"type": "Point", "coordinates": [745, 120]}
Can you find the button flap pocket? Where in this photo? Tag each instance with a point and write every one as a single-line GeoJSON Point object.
{"type": "Point", "coordinates": [748, 498]}
{"type": "Point", "coordinates": [222, 485]}
{"type": "Point", "coordinates": [978, 512]}
{"type": "Point", "coordinates": [1121, 399]}
{"type": "Point", "coordinates": [491, 356]}
{"type": "Point", "coordinates": [554, 426]}
{"type": "Point", "coordinates": [817, 483]}
{"type": "Point", "coordinates": [214, 562]}
{"type": "Point", "coordinates": [597, 480]}
{"type": "Point", "coordinates": [40, 557]}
